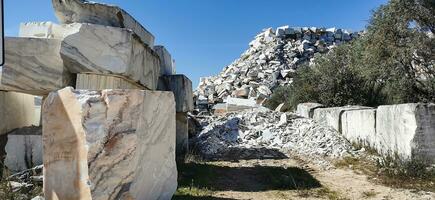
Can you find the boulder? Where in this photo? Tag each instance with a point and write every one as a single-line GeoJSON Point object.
{"type": "Point", "coordinates": [167, 65]}
{"type": "Point", "coordinates": [307, 109]}
{"type": "Point", "coordinates": [82, 11]}
{"type": "Point", "coordinates": [110, 50]}
{"type": "Point", "coordinates": [17, 111]}
{"type": "Point", "coordinates": [407, 130]}
{"type": "Point", "coordinates": [332, 116]}
{"type": "Point", "coordinates": [34, 66]}
{"type": "Point", "coordinates": [116, 144]}
{"type": "Point", "coordinates": [23, 149]}
{"type": "Point", "coordinates": [359, 127]}
{"type": "Point", "coordinates": [181, 86]}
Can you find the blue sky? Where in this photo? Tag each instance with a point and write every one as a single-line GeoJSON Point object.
{"type": "Point", "coordinates": [204, 36]}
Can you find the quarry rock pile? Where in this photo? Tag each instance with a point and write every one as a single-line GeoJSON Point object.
{"type": "Point", "coordinates": [264, 131]}
{"type": "Point", "coordinates": [272, 58]}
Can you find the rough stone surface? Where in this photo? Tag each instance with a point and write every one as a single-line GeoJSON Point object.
{"type": "Point", "coordinates": [101, 82]}
{"type": "Point", "coordinates": [116, 144]}
{"type": "Point", "coordinates": [182, 134]}
{"type": "Point", "coordinates": [261, 133]}
{"type": "Point", "coordinates": [24, 149]}
{"type": "Point", "coordinates": [110, 50]}
{"type": "Point", "coordinates": [16, 111]}
{"type": "Point", "coordinates": [359, 126]}
{"type": "Point", "coordinates": [48, 30]}
{"type": "Point", "coordinates": [34, 66]}
{"type": "Point", "coordinates": [307, 109]}
{"type": "Point", "coordinates": [181, 86]}
{"type": "Point", "coordinates": [167, 65]}
{"type": "Point", "coordinates": [270, 62]}
{"type": "Point", "coordinates": [82, 11]}
{"type": "Point", "coordinates": [332, 116]}
{"type": "Point", "coordinates": [407, 130]}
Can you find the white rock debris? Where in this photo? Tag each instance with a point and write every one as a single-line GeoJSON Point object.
{"type": "Point", "coordinates": [266, 133]}
{"type": "Point", "coordinates": [270, 61]}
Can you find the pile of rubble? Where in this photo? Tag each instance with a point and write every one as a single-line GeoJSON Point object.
{"type": "Point", "coordinates": [269, 62]}
{"type": "Point", "coordinates": [262, 133]}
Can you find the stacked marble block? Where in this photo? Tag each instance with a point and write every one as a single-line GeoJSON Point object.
{"type": "Point", "coordinates": [181, 86]}
{"type": "Point", "coordinates": [115, 133]}
{"type": "Point", "coordinates": [403, 130]}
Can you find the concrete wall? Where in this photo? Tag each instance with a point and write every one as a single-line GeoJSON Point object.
{"type": "Point", "coordinates": [406, 130]}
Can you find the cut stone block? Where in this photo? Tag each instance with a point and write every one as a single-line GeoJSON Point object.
{"type": "Point", "coordinates": [166, 63]}
{"type": "Point", "coordinates": [307, 109]}
{"type": "Point", "coordinates": [182, 134]}
{"type": "Point", "coordinates": [110, 50]}
{"type": "Point", "coordinates": [24, 149]}
{"type": "Point", "coordinates": [48, 30]}
{"type": "Point", "coordinates": [332, 116]}
{"type": "Point", "coordinates": [101, 82]}
{"type": "Point", "coordinates": [34, 66]}
{"type": "Point", "coordinates": [407, 130]}
{"type": "Point", "coordinates": [116, 144]}
{"type": "Point", "coordinates": [181, 86]}
{"type": "Point", "coordinates": [16, 111]}
{"type": "Point", "coordinates": [359, 126]}
{"type": "Point", "coordinates": [82, 11]}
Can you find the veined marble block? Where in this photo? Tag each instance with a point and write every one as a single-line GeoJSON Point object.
{"type": "Point", "coordinates": [47, 30]}
{"type": "Point", "coordinates": [101, 82]}
{"type": "Point", "coordinates": [110, 50]}
{"type": "Point", "coordinates": [34, 66]}
{"type": "Point", "coordinates": [82, 11]}
{"type": "Point", "coordinates": [23, 149]}
{"type": "Point", "coordinates": [181, 86]}
{"type": "Point", "coordinates": [17, 110]}
{"type": "Point", "coordinates": [182, 134]}
{"type": "Point", "coordinates": [407, 130]}
{"type": "Point", "coordinates": [115, 144]}
{"type": "Point", "coordinates": [167, 65]}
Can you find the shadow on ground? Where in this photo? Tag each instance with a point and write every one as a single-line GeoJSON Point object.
{"type": "Point", "coordinates": [188, 197]}
{"type": "Point", "coordinates": [237, 153]}
{"type": "Point", "coordinates": [244, 179]}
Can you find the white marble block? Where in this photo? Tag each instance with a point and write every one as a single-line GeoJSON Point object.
{"type": "Point", "coordinates": [17, 110]}
{"type": "Point", "coordinates": [359, 126]}
{"type": "Point", "coordinates": [307, 109]}
{"type": "Point", "coordinates": [101, 82]}
{"type": "Point", "coordinates": [33, 66]}
{"type": "Point", "coordinates": [181, 86]}
{"type": "Point", "coordinates": [109, 144]}
{"type": "Point", "coordinates": [332, 116]}
{"type": "Point", "coordinates": [407, 130]}
{"type": "Point", "coordinates": [182, 134]}
{"type": "Point", "coordinates": [82, 11]}
{"type": "Point", "coordinates": [110, 50]}
{"type": "Point", "coordinates": [23, 149]}
{"type": "Point", "coordinates": [166, 63]}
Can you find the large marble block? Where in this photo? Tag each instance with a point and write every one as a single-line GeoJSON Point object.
{"type": "Point", "coordinates": [407, 130]}
{"type": "Point", "coordinates": [167, 65]}
{"type": "Point", "coordinates": [359, 126]}
{"type": "Point", "coordinates": [307, 109]}
{"type": "Point", "coordinates": [332, 116]}
{"type": "Point", "coordinates": [182, 134]}
{"type": "Point", "coordinates": [16, 111]}
{"type": "Point", "coordinates": [34, 66]}
{"type": "Point", "coordinates": [23, 149]}
{"type": "Point", "coordinates": [181, 86]}
{"type": "Point", "coordinates": [109, 144]}
{"type": "Point", "coordinates": [101, 82]}
{"type": "Point", "coordinates": [82, 11]}
{"type": "Point", "coordinates": [110, 50]}
{"type": "Point", "coordinates": [47, 30]}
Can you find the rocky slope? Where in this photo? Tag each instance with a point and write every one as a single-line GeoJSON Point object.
{"type": "Point", "coordinates": [269, 62]}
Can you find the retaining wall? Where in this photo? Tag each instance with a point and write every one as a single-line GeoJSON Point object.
{"type": "Point", "coordinates": [404, 130]}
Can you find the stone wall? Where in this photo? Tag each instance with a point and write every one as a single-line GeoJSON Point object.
{"type": "Point", "coordinates": [404, 130]}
